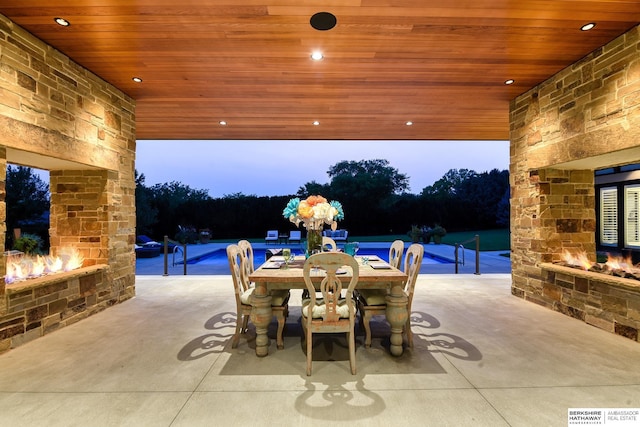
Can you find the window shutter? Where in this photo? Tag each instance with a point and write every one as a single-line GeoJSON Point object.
{"type": "Point", "coordinates": [609, 216]}
{"type": "Point", "coordinates": [632, 204]}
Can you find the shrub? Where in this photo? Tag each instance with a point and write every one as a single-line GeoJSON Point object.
{"type": "Point", "coordinates": [439, 231]}
{"type": "Point", "coordinates": [29, 244]}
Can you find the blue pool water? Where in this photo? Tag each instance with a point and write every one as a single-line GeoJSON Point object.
{"type": "Point", "coordinates": [219, 257]}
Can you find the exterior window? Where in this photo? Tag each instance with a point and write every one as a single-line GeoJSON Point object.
{"type": "Point", "coordinates": [609, 216]}
{"type": "Point", "coordinates": [631, 206]}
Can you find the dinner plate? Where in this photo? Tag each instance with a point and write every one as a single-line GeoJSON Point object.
{"type": "Point", "coordinates": [272, 265]}
{"type": "Point", "coordinates": [380, 265]}
{"type": "Point", "coordinates": [371, 257]}
{"type": "Point", "coordinates": [277, 258]}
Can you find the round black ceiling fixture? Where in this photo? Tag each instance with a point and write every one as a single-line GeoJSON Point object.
{"type": "Point", "coordinates": [323, 21]}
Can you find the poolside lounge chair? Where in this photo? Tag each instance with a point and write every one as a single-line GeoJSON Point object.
{"type": "Point", "coordinates": [337, 235]}
{"type": "Point", "coordinates": [147, 242]}
{"type": "Point", "coordinates": [147, 251]}
{"type": "Point", "coordinates": [295, 236]}
{"type": "Point", "coordinates": [272, 237]}
{"type": "Point", "coordinates": [143, 240]}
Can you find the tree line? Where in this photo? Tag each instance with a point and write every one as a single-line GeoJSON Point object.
{"type": "Point", "coordinates": [373, 194]}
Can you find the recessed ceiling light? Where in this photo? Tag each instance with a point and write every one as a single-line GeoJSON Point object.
{"type": "Point", "coordinates": [137, 79]}
{"type": "Point", "coordinates": [222, 123]}
{"type": "Point", "coordinates": [317, 56]}
{"type": "Point", "coordinates": [409, 123]}
{"type": "Point", "coordinates": [509, 82]}
{"type": "Point", "coordinates": [316, 123]}
{"type": "Point", "coordinates": [587, 27]}
{"type": "Point", "coordinates": [61, 21]}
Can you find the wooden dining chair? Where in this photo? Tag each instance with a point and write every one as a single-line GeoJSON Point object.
{"type": "Point", "coordinates": [247, 253]}
{"type": "Point", "coordinates": [328, 242]}
{"type": "Point", "coordinates": [395, 253]}
{"type": "Point", "coordinates": [332, 313]}
{"type": "Point", "coordinates": [243, 293]}
{"type": "Point", "coordinates": [372, 303]}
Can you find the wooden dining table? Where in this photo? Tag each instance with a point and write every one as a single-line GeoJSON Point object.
{"type": "Point", "coordinates": [373, 274]}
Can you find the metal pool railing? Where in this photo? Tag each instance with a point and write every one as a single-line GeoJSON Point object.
{"type": "Point", "coordinates": [178, 246]}
{"type": "Point", "coordinates": [476, 238]}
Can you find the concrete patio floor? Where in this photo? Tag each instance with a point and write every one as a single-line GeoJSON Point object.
{"type": "Point", "coordinates": [481, 358]}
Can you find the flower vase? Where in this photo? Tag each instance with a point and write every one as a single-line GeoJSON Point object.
{"type": "Point", "coordinates": [314, 241]}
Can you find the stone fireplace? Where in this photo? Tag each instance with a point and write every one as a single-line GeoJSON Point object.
{"type": "Point", "coordinates": [586, 117]}
{"type": "Point", "coordinates": [57, 116]}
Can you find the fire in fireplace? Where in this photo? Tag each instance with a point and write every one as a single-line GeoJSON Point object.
{"type": "Point", "coordinates": [23, 267]}
{"type": "Point", "coordinates": [614, 266]}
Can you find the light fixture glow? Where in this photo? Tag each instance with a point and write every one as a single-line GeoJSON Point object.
{"type": "Point", "coordinates": [316, 123]}
{"type": "Point", "coordinates": [62, 22]}
{"type": "Point", "coordinates": [587, 27]}
{"type": "Point", "coordinates": [222, 123]}
{"type": "Point", "coordinates": [137, 79]}
{"type": "Point", "coordinates": [409, 123]}
{"type": "Point", "coordinates": [509, 82]}
{"type": "Point", "coordinates": [317, 56]}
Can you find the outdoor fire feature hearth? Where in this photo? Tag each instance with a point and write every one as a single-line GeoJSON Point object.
{"type": "Point", "coordinates": [602, 296]}
{"type": "Point", "coordinates": [24, 267]}
{"type": "Point", "coordinates": [614, 266]}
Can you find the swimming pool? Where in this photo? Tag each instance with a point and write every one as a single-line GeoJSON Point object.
{"type": "Point", "coordinates": [217, 259]}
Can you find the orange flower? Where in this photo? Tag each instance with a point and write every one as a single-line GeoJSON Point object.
{"type": "Point", "coordinates": [314, 200]}
{"type": "Point", "coordinates": [305, 210]}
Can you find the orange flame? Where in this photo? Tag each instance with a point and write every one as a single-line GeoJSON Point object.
{"type": "Point", "coordinates": [21, 267]}
{"type": "Point", "coordinates": [613, 262]}
{"type": "Point", "coordinates": [74, 260]}
{"type": "Point", "coordinates": [579, 260]}
{"type": "Point", "coordinates": [619, 263]}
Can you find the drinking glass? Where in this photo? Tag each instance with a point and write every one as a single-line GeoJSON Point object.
{"type": "Point", "coordinates": [286, 254]}
{"type": "Point", "coordinates": [356, 247]}
{"type": "Point", "coordinates": [350, 249]}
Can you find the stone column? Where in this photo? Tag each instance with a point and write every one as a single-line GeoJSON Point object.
{"type": "Point", "coordinates": [552, 211]}
{"type": "Point", "coordinates": [3, 227]}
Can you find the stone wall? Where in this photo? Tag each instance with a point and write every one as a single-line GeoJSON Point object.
{"type": "Point", "coordinates": [607, 301]}
{"type": "Point", "coordinates": [54, 112]}
{"type": "Point", "coordinates": [584, 118]}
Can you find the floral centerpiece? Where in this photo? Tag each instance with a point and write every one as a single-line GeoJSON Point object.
{"type": "Point", "coordinates": [314, 212]}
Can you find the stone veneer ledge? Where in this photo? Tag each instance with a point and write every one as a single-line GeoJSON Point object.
{"type": "Point", "coordinates": [48, 279]}
{"type": "Point", "coordinates": [606, 301]}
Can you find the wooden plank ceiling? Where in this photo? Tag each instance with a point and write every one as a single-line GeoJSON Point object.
{"type": "Point", "coordinates": [440, 64]}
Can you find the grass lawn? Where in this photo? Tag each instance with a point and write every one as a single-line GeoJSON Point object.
{"type": "Point", "coordinates": [490, 240]}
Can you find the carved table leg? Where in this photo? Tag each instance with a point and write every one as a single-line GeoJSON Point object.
{"type": "Point", "coordinates": [397, 316]}
{"type": "Point", "coordinates": [261, 315]}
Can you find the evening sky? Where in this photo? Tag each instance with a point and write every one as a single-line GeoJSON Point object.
{"type": "Point", "coordinates": [277, 168]}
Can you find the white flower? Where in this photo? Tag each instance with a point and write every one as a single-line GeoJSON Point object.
{"type": "Point", "coordinates": [322, 211]}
